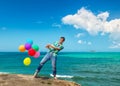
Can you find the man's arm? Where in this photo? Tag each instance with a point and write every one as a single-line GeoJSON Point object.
{"type": "Point", "coordinates": [51, 46]}
{"type": "Point", "coordinates": [54, 47]}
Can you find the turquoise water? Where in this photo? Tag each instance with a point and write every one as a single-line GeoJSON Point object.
{"type": "Point", "coordinates": [87, 69]}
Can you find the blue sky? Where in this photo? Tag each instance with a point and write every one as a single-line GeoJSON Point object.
{"type": "Point", "coordinates": [41, 21]}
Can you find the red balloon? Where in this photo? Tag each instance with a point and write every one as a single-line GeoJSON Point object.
{"type": "Point", "coordinates": [31, 52]}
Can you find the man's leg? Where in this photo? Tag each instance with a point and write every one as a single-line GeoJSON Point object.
{"type": "Point", "coordinates": [54, 59]}
{"type": "Point", "coordinates": [43, 61]}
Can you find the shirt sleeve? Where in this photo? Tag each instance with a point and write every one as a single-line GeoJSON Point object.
{"type": "Point", "coordinates": [55, 43]}
{"type": "Point", "coordinates": [61, 47]}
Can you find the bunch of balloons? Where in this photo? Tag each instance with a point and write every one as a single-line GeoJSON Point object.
{"type": "Point", "coordinates": [33, 50]}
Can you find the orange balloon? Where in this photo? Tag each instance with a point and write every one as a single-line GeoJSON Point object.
{"type": "Point", "coordinates": [22, 48]}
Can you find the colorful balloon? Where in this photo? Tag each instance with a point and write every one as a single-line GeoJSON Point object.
{"type": "Point", "coordinates": [37, 54]}
{"type": "Point", "coordinates": [31, 52]}
{"type": "Point", "coordinates": [22, 48]}
{"type": "Point", "coordinates": [27, 61]}
{"type": "Point", "coordinates": [27, 46]}
{"type": "Point", "coordinates": [35, 47]}
{"type": "Point", "coordinates": [30, 41]}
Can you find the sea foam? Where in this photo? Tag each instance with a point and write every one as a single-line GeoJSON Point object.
{"type": "Point", "coordinates": [62, 76]}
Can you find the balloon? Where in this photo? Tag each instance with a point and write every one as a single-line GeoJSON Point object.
{"type": "Point", "coordinates": [30, 41]}
{"type": "Point", "coordinates": [37, 54]}
{"type": "Point", "coordinates": [27, 61]}
{"type": "Point", "coordinates": [31, 52]}
{"type": "Point", "coordinates": [35, 47]}
{"type": "Point", "coordinates": [22, 48]}
{"type": "Point", "coordinates": [27, 46]}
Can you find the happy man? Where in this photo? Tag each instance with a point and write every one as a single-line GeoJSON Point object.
{"type": "Point", "coordinates": [51, 55]}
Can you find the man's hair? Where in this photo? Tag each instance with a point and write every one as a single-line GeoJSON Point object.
{"type": "Point", "coordinates": [63, 38]}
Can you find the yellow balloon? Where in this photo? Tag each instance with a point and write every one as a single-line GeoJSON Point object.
{"type": "Point", "coordinates": [22, 48]}
{"type": "Point", "coordinates": [27, 61]}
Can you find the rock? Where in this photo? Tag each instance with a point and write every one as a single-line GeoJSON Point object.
{"type": "Point", "coordinates": [28, 80]}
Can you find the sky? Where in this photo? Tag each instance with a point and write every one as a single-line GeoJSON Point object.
{"type": "Point", "coordinates": [86, 24]}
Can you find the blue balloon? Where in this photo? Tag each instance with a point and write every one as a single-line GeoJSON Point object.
{"type": "Point", "coordinates": [30, 41]}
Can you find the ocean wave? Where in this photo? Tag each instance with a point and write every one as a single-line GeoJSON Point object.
{"type": "Point", "coordinates": [99, 72]}
{"type": "Point", "coordinates": [62, 76]}
{"type": "Point", "coordinates": [4, 72]}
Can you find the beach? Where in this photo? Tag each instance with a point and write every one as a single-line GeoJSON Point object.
{"type": "Point", "coordinates": [28, 80]}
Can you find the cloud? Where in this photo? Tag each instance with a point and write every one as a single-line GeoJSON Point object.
{"type": "Point", "coordinates": [94, 24]}
{"type": "Point", "coordinates": [56, 25]}
{"type": "Point", "coordinates": [79, 35]}
{"type": "Point", "coordinates": [84, 42]}
{"type": "Point", "coordinates": [115, 45]}
{"type": "Point", "coordinates": [80, 41]}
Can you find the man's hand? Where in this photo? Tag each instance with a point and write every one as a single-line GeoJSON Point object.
{"type": "Point", "coordinates": [48, 46]}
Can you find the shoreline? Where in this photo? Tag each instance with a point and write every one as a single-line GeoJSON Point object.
{"type": "Point", "coordinates": [28, 80]}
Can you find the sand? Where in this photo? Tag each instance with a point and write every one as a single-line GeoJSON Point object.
{"type": "Point", "coordinates": [28, 80]}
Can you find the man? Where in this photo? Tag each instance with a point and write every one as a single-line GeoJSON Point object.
{"type": "Point", "coordinates": [51, 55]}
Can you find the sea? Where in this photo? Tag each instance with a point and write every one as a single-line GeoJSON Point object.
{"type": "Point", "coordinates": [85, 68]}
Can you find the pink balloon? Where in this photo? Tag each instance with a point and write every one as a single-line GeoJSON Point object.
{"type": "Point", "coordinates": [37, 54]}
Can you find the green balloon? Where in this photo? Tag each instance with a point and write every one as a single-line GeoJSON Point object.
{"type": "Point", "coordinates": [35, 47]}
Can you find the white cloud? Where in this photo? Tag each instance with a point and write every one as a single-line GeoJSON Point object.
{"type": "Point", "coordinates": [84, 42]}
{"type": "Point", "coordinates": [80, 41]}
{"type": "Point", "coordinates": [56, 25]}
{"type": "Point", "coordinates": [115, 45]}
{"type": "Point", "coordinates": [94, 24]}
{"type": "Point", "coordinates": [79, 35]}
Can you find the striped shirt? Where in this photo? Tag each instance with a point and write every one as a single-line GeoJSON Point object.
{"type": "Point", "coordinates": [57, 45]}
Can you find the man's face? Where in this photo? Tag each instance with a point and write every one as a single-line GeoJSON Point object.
{"type": "Point", "coordinates": [61, 40]}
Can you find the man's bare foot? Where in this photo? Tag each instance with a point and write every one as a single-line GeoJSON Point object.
{"type": "Point", "coordinates": [55, 78]}
{"type": "Point", "coordinates": [35, 75]}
